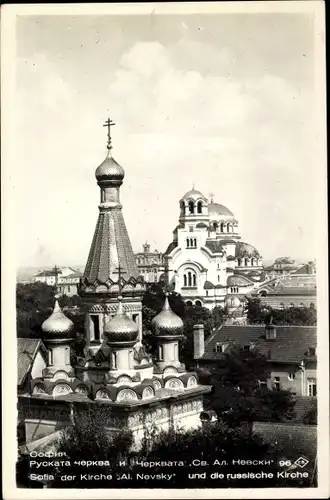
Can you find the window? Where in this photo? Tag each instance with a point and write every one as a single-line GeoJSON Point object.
{"type": "Point", "coordinates": [291, 376]}
{"type": "Point", "coordinates": [311, 351]}
{"type": "Point", "coordinates": [50, 356]}
{"type": "Point", "coordinates": [281, 306]}
{"type": "Point", "coordinates": [218, 347]}
{"type": "Point", "coordinates": [68, 289]}
{"type": "Point", "coordinates": [218, 266]}
{"type": "Point", "coordinates": [291, 305]}
{"type": "Point", "coordinates": [188, 242]}
{"type": "Point", "coordinates": [207, 293]}
{"type": "Point", "coordinates": [191, 207]}
{"type": "Point", "coordinates": [67, 356]}
{"type": "Point", "coordinates": [198, 303]}
{"type": "Point", "coordinates": [228, 228]}
{"type": "Point", "coordinates": [246, 348]}
{"type": "Point", "coordinates": [161, 353]}
{"type": "Point", "coordinates": [246, 261]}
{"type": "Point", "coordinates": [311, 383]}
{"type": "Point", "coordinates": [239, 262]}
{"type": "Point", "coordinates": [191, 228]}
{"type": "Point", "coordinates": [218, 278]}
{"type": "Point", "coordinates": [199, 207]}
{"type": "Point", "coordinates": [277, 385]}
{"type": "Point", "coordinates": [189, 303]}
{"type": "Point", "coordinates": [114, 360]}
{"type": "Point", "coordinates": [95, 327]}
{"type": "Point", "coordinates": [222, 227]}
{"type": "Point", "coordinates": [189, 279]}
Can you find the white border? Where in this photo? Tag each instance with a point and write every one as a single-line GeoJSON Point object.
{"type": "Point", "coordinates": [9, 13]}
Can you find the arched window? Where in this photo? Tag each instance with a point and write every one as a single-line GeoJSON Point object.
{"type": "Point", "coordinates": [189, 303]}
{"type": "Point", "coordinates": [239, 262]}
{"type": "Point", "coordinates": [246, 261]}
{"type": "Point", "coordinates": [199, 207]}
{"type": "Point", "coordinates": [182, 207]}
{"type": "Point", "coordinates": [228, 227]}
{"type": "Point", "coordinates": [222, 227]}
{"type": "Point", "coordinates": [198, 303]}
{"type": "Point", "coordinates": [215, 225]}
{"type": "Point", "coordinates": [195, 242]}
{"type": "Point", "coordinates": [191, 207]}
{"type": "Point", "coordinates": [190, 279]}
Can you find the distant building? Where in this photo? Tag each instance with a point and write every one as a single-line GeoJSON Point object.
{"type": "Point", "coordinates": [290, 351]}
{"type": "Point", "coordinates": [281, 267]}
{"type": "Point", "coordinates": [206, 262]}
{"type": "Point", "coordinates": [293, 290]}
{"type": "Point", "coordinates": [66, 279]}
{"type": "Point", "coordinates": [151, 265]}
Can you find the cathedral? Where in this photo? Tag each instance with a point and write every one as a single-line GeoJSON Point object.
{"type": "Point", "coordinates": [115, 370]}
{"type": "Point", "coordinates": [207, 263]}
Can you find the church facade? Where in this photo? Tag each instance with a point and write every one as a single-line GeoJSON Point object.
{"type": "Point", "coordinates": [115, 372]}
{"type": "Point", "coordinates": [207, 263]}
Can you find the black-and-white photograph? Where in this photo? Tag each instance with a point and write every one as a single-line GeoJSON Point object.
{"type": "Point", "coordinates": [168, 189]}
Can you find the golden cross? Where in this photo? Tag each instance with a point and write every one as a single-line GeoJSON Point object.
{"type": "Point", "coordinates": [211, 195]}
{"type": "Point", "coordinates": [109, 123]}
{"type": "Point", "coordinates": [120, 271]}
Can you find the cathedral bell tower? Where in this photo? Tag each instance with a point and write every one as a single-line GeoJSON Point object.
{"type": "Point", "coordinates": [111, 268]}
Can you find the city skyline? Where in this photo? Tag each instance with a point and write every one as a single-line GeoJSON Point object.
{"type": "Point", "coordinates": [193, 104]}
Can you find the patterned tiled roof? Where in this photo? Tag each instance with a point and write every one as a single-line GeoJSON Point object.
{"type": "Point", "coordinates": [111, 248]}
{"type": "Point", "coordinates": [290, 346]}
{"type": "Point", "coordinates": [26, 352]}
{"type": "Point", "coordinates": [301, 439]}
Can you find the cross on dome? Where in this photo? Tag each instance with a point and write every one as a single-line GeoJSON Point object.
{"type": "Point", "coordinates": [109, 123]}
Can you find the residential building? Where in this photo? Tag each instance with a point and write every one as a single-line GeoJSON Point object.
{"type": "Point", "coordinates": [151, 265]}
{"type": "Point", "coordinates": [65, 279]}
{"type": "Point", "coordinates": [290, 352]}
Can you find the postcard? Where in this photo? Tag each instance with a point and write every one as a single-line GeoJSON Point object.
{"type": "Point", "coordinates": [164, 261]}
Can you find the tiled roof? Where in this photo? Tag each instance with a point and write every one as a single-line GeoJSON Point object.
{"type": "Point", "coordinates": [301, 439]}
{"type": "Point", "coordinates": [111, 248]}
{"type": "Point", "coordinates": [26, 352]}
{"type": "Point", "coordinates": [171, 247]}
{"type": "Point", "coordinates": [214, 246]}
{"type": "Point", "coordinates": [290, 346]}
{"type": "Point", "coordinates": [302, 406]}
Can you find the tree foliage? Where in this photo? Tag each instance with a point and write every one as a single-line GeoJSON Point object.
{"type": "Point", "coordinates": [240, 392]}
{"type": "Point", "coordinates": [298, 316]}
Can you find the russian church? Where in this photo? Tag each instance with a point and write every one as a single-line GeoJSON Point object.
{"type": "Point", "coordinates": [115, 370]}
{"type": "Point", "coordinates": [207, 263]}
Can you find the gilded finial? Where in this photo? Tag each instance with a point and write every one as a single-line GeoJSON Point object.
{"type": "Point", "coordinates": [109, 123]}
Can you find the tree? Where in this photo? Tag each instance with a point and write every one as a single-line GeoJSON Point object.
{"type": "Point", "coordinates": [240, 392]}
{"type": "Point", "coordinates": [259, 313]}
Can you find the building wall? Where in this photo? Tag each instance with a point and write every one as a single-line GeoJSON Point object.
{"type": "Point", "coordinates": [38, 365]}
{"type": "Point", "coordinates": [286, 301]}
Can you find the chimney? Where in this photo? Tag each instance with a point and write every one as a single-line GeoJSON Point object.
{"type": "Point", "coordinates": [270, 330]}
{"type": "Point", "coordinates": [198, 341]}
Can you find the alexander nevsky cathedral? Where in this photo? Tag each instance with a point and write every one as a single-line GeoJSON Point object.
{"type": "Point", "coordinates": [207, 263]}
{"type": "Point", "coordinates": [116, 371]}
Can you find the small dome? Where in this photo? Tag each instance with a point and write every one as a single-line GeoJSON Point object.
{"type": "Point", "coordinates": [245, 250]}
{"type": "Point", "coordinates": [217, 211]}
{"type": "Point", "coordinates": [193, 194]}
{"type": "Point", "coordinates": [233, 302]}
{"type": "Point", "coordinates": [167, 323]}
{"type": "Point", "coordinates": [110, 172]}
{"type": "Point", "coordinates": [57, 326]}
{"type": "Point", "coordinates": [121, 328]}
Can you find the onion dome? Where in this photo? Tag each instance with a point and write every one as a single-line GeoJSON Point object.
{"type": "Point", "coordinates": [217, 211]}
{"type": "Point", "coordinates": [245, 250]}
{"type": "Point", "coordinates": [193, 194]}
{"type": "Point", "coordinates": [167, 323]}
{"type": "Point", "coordinates": [110, 173]}
{"type": "Point", "coordinates": [233, 302]}
{"type": "Point", "coordinates": [57, 326]}
{"type": "Point", "coordinates": [121, 329]}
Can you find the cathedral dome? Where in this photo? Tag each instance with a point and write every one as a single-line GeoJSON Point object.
{"type": "Point", "coordinates": [217, 211]}
{"type": "Point", "coordinates": [167, 323]}
{"type": "Point", "coordinates": [193, 194]}
{"type": "Point", "coordinates": [233, 302]}
{"type": "Point", "coordinates": [121, 328]}
{"type": "Point", "coordinates": [57, 326]}
{"type": "Point", "coordinates": [110, 172]}
{"type": "Point", "coordinates": [245, 250]}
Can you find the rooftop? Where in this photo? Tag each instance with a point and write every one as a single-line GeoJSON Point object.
{"type": "Point", "coordinates": [291, 345]}
{"type": "Point", "coordinates": [26, 352]}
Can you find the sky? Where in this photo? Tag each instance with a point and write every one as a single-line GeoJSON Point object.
{"type": "Point", "coordinates": [222, 102]}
